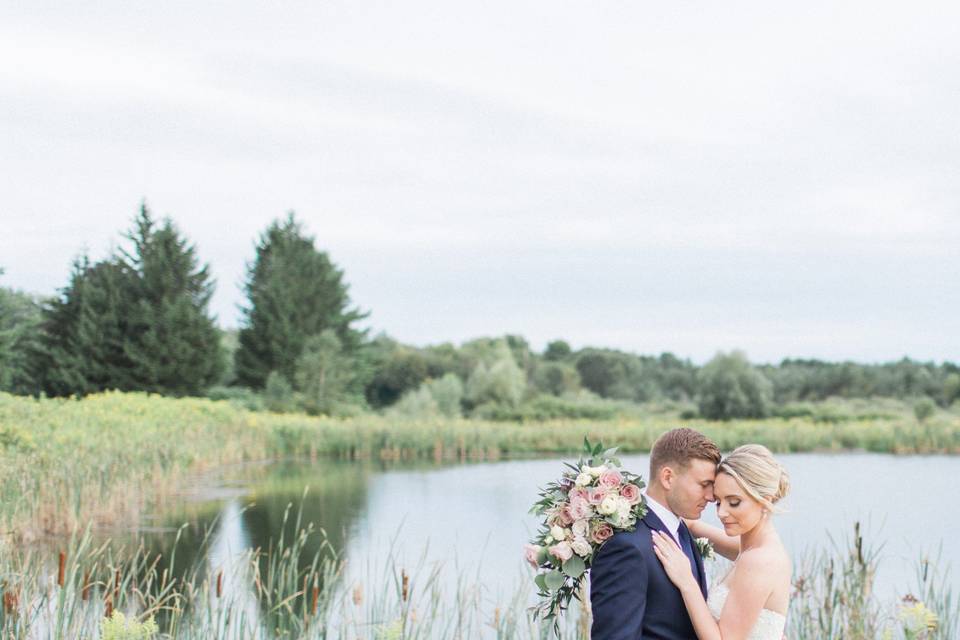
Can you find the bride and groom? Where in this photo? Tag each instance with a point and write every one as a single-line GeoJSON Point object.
{"type": "Point", "coordinates": [650, 584]}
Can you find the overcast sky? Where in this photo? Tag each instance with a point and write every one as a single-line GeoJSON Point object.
{"type": "Point", "coordinates": [684, 176]}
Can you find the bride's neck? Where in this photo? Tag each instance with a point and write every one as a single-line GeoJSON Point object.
{"type": "Point", "coordinates": [758, 535]}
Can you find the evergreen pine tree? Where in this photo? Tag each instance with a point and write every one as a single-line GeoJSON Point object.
{"type": "Point", "coordinates": [294, 291]}
{"type": "Point", "coordinates": [171, 341]}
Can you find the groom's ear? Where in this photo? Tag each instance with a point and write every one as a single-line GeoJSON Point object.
{"type": "Point", "coordinates": [666, 477]}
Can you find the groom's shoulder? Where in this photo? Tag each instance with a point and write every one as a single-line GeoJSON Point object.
{"type": "Point", "coordinates": [639, 538]}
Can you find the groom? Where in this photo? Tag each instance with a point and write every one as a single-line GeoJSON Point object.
{"type": "Point", "coordinates": [630, 594]}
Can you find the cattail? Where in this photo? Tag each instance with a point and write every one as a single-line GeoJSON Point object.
{"type": "Point", "coordinates": [11, 598]}
{"type": "Point", "coordinates": [108, 608]}
{"type": "Point", "coordinates": [496, 618]}
{"type": "Point", "coordinates": [314, 598]}
{"type": "Point", "coordinates": [358, 595]}
{"type": "Point", "coordinates": [406, 584]}
{"type": "Point", "coordinates": [116, 585]}
{"type": "Point", "coordinates": [85, 591]}
{"type": "Point", "coordinates": [220, 583]}
{"type": "Point", "coordinates": [61, 570]}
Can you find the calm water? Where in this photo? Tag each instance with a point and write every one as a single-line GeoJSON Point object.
{"type": "Point", "coordinates": [473, 518]}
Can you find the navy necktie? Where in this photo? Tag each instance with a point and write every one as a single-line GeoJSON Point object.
{"type": "Point", "coordinates": [686, 543]}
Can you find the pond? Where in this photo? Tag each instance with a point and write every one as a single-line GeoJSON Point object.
{"type": "Point", "coordinates": [473, 517]}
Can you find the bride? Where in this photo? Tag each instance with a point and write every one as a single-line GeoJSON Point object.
{"type": "Point", "coordinates": [750, 603]}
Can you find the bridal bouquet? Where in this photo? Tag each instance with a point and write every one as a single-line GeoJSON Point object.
{"type": "Point", "coordinates": [581, 511]}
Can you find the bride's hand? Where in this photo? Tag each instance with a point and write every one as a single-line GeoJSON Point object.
{"type": "Point", "coordinates": [674, 561]}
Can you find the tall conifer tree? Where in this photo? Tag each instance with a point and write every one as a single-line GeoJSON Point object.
{"type": "Point", "coordinates": [172, 342]}
{"type": "Point", "coordinates": [294, 292]}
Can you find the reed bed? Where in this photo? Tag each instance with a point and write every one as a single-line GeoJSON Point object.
{"type": "Point", "coordinates": [109, 458]}
{"type": "Point", "coordinates": [286, 592]}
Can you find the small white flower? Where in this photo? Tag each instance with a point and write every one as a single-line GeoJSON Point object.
{"type": "Point", "coordinates": [584, 479]}
{"type": "Point", "coordinates": [596, 471]}
{"type": "Point", "coordinates": [609, 505]}
{"type": "Point", "coordinates": [581, 528]}
{"type": "Point", "coordinates": [558, 533]}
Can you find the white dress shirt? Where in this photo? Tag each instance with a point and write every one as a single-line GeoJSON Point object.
{"type": "Point", "coordinates": [669, 518]}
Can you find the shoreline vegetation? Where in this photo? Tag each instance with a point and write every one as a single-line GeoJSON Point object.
{"type": "Point", "coordinates": [110, 457]}
{"type": "Point", "coordinates": [300, 589]}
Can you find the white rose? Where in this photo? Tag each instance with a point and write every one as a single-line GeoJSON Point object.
{"type": "Point", "coordinates": [609, 505]}
{"type": "Point", "coordinates": [581, 528]}
{"type": "Point", "coordinates": [581, 547]}
{"type": "Point", "coordinates": [623, 505]}
{"type": "Point", "coordinates": [596, 471]}
{"type": "Point", "coordinates": [584, 479]}
{"type": "Point", "coordinates": [558, 533]}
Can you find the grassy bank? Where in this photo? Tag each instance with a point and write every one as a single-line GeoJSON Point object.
{"type": "Point", "coordinates": [104, 458]}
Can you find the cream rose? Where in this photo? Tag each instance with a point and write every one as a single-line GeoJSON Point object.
{"type": "Point", "coordinates": [558, 533]}
{"type": "Point", "coordinates": [609, 505]}
{"type": "Point", "coordinates": [581, 528]}
{"type": "Point", "coordinates": [584, 479]}
{"type": "Point", "coordinates": [581, 547]}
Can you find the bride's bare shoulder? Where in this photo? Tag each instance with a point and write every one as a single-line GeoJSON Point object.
{"type": "Point", "coordinates": [765, 558]}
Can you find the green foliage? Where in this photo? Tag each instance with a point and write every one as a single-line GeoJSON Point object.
{"type": "Point", "coordinates": [447, 392]}
{"type": "Point", "coordinates": [951, 389]}
{"type": "Point", "coordinates": [20, 335]}
{"type": "Point", "coordinates": [323, 374]}
{"type": "Point", "coordinates": [731, 388]}
{"type": "Point", "coordinates": [923, 409]}
{"type": "Point", "coordinates": [118, 627]}
{"type": "Point", "coordinates": [556, 378]}
{"type": "Point", "coordinates": [498, 381]}
{"type": "Point", "coordinates": [241, 397]}
{"type": "Point", "coordinates": [396, 370]}
{"type": "Point", "coordinates": [556, 351]}
{"type": "Point", "coordinates": [278, 393]}
{"type": "Point", "coordinates": [294, 292]}
{"type": "Point", "coordinates": [434, 398]}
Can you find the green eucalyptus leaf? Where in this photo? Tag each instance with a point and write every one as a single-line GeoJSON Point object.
{"type": "Point", "coordinates": [541, 581]}
{"type": "Point", "coordinates": [574, 567]}
{"type": "Point", "coordinates": [554, 580]}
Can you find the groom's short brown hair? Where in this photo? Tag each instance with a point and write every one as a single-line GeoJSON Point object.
{"type": "Point", "coordinates": [680, 446]}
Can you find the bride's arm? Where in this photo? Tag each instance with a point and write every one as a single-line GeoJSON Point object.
{"type": "Point", "coordinates": [748, 594]}
{"type": "Point", "coordinates": [727, 546]}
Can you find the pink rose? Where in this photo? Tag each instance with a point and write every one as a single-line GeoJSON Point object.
{"type": "Point", "coordinates": [566, 518]}
{"type": "Point", "coordinates": [601, 533]}
{"type": "Point", "coordinates": [610, 478]}
{"type": "Point", "coordinates": [582, 493]}
{"type": "Point", "coordinates": [530, 551]}
{"type": "Point", "coordinates": [631, 493]}
{"type": "Point", "coordinates": [562, 550]}
{"type": "Point", "coordinates": [597, 495]}
{"type": "Point", "coordinates": [579, 508]}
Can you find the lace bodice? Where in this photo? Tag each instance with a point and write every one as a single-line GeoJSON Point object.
{"type": "Point", "coordinates": [769, 625]}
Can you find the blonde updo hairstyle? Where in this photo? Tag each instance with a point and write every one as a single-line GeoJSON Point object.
{"type": "Point", "coordinates": [758, 473]}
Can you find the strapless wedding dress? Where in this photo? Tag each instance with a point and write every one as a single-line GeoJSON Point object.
{"type": "Point", "coordinates": [769, 625]}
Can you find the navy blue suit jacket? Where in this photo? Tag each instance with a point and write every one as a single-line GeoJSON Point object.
{"type": "Point", "coordinates": [630, 594]}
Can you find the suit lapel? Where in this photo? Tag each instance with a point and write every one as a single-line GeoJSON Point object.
{"type": "Point", "coordinates": [652, 521]}
{"type": "Point", "coordinates": [702, 573]}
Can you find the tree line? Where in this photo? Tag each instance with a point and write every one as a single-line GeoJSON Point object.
{"type": "Point", "coordinates": [139, 320]}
